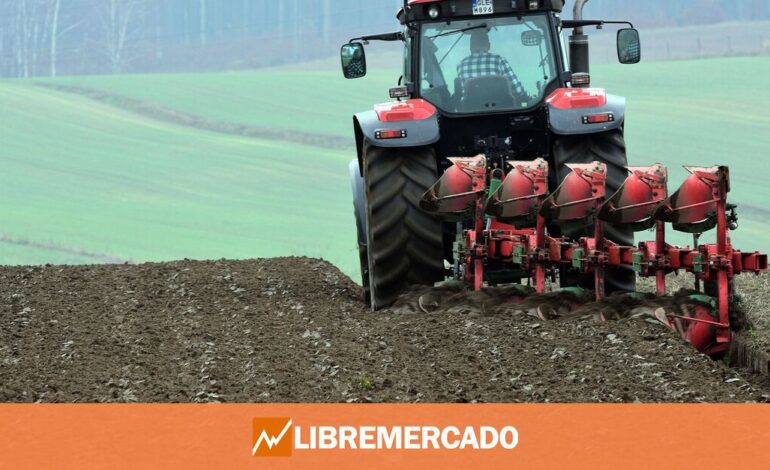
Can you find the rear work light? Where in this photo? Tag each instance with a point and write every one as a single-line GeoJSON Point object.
{"type": "Point", "coordinates": [399, 92]}
{"type": "Point", "coordinates": [598, 118]}
{"type": "Point", "coordinates": [390, 134]}
{"type": "Point", "coordinates": [581, 80]}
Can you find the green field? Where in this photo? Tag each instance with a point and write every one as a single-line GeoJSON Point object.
{"type": "Point", "coordinates": [81, 176]}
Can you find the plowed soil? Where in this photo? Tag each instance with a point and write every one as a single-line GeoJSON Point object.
{"type": "Point", "coordinates": [294, 330]}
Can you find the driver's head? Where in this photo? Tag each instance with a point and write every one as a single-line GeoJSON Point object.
{"type": "Point", "coordinates": [480, 40]}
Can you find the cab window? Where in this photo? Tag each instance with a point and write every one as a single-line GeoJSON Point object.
{"type": "Point", "coordinates": [486, 64]}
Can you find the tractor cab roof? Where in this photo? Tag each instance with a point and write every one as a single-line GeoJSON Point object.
{"type": "Point", "coordinates": [427, 10]}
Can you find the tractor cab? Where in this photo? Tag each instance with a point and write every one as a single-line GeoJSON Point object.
{"type": "Point", "coordinates": [498, 58]}
{"type": "Point", "coordinates": [481, 56]}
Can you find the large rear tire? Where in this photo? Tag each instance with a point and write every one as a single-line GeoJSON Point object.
{"type": "Point", "coordinates": [609, 148]}
{"type": "Point", "coordinates": [404, 244]}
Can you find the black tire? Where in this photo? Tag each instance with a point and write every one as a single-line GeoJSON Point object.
{"type": "Point", "coordinates": [609, 148]}
{"type": "Point", "coordinates": [404, 244]}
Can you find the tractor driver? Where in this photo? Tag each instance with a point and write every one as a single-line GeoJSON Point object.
{"type": "Point", "coordinates": [482, 63]}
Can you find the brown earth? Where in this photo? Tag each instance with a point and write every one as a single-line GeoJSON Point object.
{"type": "Point", "coordinates": [293, 330]}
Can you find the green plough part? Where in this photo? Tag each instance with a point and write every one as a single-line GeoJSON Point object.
{"type": "Point", "coordinates": [577, 258]}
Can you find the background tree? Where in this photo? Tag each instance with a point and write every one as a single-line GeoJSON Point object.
{"type": "Point", "coordinates": [54, 37]}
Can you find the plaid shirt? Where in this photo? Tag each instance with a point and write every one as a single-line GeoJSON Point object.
{"type": "Point", "coordinates": [482, 64]}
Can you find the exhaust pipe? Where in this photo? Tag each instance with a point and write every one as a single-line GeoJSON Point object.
{"type": "Point", "coordinates": [578, 42]}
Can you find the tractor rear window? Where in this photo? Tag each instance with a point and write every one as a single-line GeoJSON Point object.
{"type": "Point", "coordinates": [486, 64]}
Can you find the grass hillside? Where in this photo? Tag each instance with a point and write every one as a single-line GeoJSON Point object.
{"type": "Point", "coordinates": [321, 102]}
{"type": "Point", "coordinates": [84, 181]}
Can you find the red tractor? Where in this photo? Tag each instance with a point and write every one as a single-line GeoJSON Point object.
{"type": "Point", "coordinates": [490, 77]}
{"type": "Point", "coordinates": [498, 164]}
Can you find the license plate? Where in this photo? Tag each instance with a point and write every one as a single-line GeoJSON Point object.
{"type": "Point", "coordinates": [483, 7]}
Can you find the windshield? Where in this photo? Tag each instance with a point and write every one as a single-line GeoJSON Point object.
{"type": "Point", "coordinates": [486, 64]}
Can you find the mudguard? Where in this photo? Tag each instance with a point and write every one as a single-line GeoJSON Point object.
{"type": "Point", "coordinates": [417, 118]}
{"type": "Point", "coordinates": [571, 111]}
{"type": "Point", "coordinates": [359, 199]}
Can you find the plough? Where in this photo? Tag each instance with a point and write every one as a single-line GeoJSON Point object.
{"type": "Point", "coordinates": [513, 215]}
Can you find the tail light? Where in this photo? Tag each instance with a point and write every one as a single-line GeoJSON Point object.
{"type": "Point", "coordinates": [390, 134]}
{"type": "Point", "coordinates": [598, 118]}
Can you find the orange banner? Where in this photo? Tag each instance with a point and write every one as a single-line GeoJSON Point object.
{"type": "Point", "coordinates": [384, 436]}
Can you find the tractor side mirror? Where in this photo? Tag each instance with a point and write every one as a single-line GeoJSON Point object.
{"type": "Point", "coordinates": [353, 60]}
{"type": "Point", "coordinates": [531, 38]}
{"type": "Point", "coordinates": [629, 46]}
